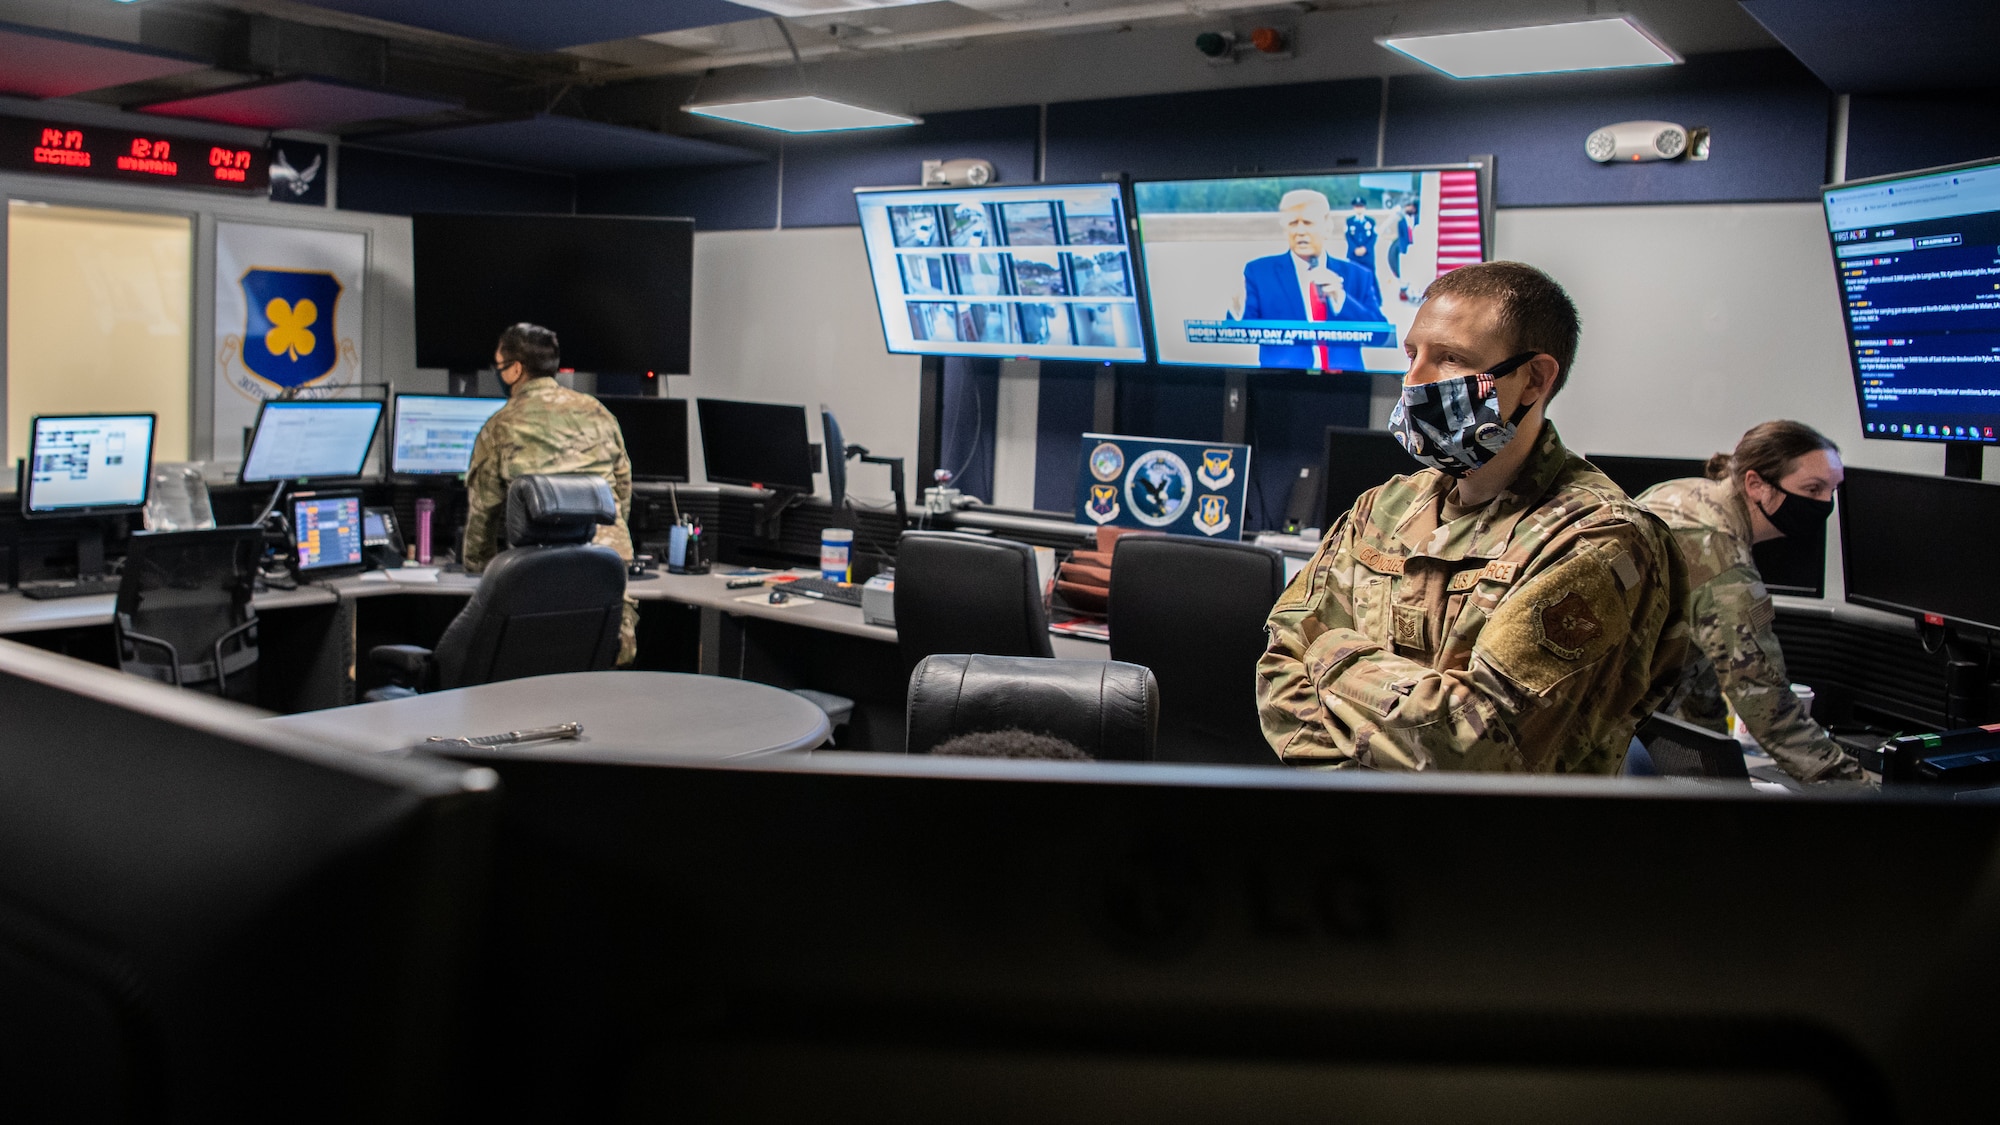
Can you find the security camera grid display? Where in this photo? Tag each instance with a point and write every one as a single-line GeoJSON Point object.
{"type": "Point", "coordinates": [1041, 271]}
{"type": "Point", "coordinates": [1309, 273]}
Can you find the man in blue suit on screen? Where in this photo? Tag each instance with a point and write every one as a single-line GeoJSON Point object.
{"type": "Point", "coordinates": [1305, 283]}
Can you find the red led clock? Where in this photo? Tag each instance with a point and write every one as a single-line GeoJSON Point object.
{"type": "Point", "coordinates": [98, 153]}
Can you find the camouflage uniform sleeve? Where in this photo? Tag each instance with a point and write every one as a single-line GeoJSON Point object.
{"type": "Point", "coordinates": [485, 504]}
{"type": "Point", "coordinates": [1288, 699]}
{"type": "Point", "coordinates": [621, 478]}
{"type": "Point", "coordinates": [1732, 617]}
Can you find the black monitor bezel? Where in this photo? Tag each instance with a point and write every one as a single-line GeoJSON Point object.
{"type": "Point", "coordinates": [687, 473]}
{"type": "Point", "coordinates": [1847, 538]}
{"type": "Point", "coordinates": [361, 471]}
{"type": "Point", "coordinates": [1332, 434]}
{"type": "Point", "coordinates": [806, 427]}
{"type": "Point", "coordinates": [330, 570]}
{"type": "Point", "coordinates": [94, 510]}
{"type": "Point", "coordinates": [1847, 329]}
{"type": "Point", "coordinates": [396, 421]}
{"type": "Point", "coordinates": [1486, 225]}
{"type": "Point", "coordinates": [1129, 220]}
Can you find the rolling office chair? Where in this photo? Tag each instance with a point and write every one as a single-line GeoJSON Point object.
{"type": "Point", "coordinates": [552, 602]}
{"type": "Point", "coordinates": [1193, 610]}
{"type": "Point", "coordinates": [1677, 748]}
{"type": "Point", "coordinates": [183, 614]}
{"type": "Point", "coordinates": [967, 593]}
{"type": "Point", "coordinates": [1107, 709]}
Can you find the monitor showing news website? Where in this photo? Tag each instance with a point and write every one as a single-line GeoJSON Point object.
{"type": "Point", "coordinates": [1040, 271]}
{"type": "Point", "coordinates": [1918, 257]}
{"type": "Point", "coordinates": [1301, 273]}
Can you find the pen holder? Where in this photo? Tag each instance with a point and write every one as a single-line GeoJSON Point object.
{"type": "Point", "coordinates": [685, 553]}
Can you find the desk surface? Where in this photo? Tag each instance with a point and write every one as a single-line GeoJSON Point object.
{"type": "Point", "coordinates": [637, 714]}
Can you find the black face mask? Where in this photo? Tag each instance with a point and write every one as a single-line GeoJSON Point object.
{"type": "Point", "coordinates": [1797, 515]}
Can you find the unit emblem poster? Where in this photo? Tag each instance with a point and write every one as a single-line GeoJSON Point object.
{"type": "Point", "coordinates": [1182, 487]}
{"type": "Point", "coordinates": [288, 318]}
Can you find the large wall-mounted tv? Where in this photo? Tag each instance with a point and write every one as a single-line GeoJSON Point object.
{"type": "Point", "coordinates": [617, 292]}
{"type": "Point", "coordinates": [1918, 256]}
{"type": "Point", "coordinates": [1039, 271]}
{"type": "Point", "coordinates": [1311, 272]}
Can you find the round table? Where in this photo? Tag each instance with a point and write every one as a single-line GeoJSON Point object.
{"type": "Point", "coordinates": [641, 714]}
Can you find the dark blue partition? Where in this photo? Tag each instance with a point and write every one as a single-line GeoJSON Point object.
{"type": "Point", "coordinates": [1063, 409]}
{"type": "Point", "coordinates": [1769, 114]}
{"type": "Point", "coordinates": [1308, 126]}
{"type": "Point", "coordinates": [1170, 402]}
{"type": "Point", "coordinates": [1903, 132]}
{"type": "Point", "coordinates": [731, 197]}
{"type": "Point", "coordinates": [392, 183]}
{"type": "Point", "coordinates": [821, 172]}
{"type": "Point", "coordinates": [971, 411]}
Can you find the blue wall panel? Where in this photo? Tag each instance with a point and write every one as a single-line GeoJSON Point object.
{"type": "Point", "coordinates": [821, 172]}
{"type": "Point", "coordinates": [732, 197]}
{"type": "Point", "coordinates": [971, 392]}
{"type": "Point", "coordinates": [1769, 114]}
{"type": "Point", "coordinates": [1303, 127]}
{"type": "Point", "coordinates": [394, 184]}
{"type": "Point", "coordinates": [1170, 402]}
{"type": "Point", "coordinates": [1063, 410]}
{"type": "Point", "coordinates": [1903, 132]}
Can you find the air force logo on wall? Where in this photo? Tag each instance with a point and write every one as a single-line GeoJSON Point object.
{"type": "Point", "coordinates": [1218, 468]}
{"type": "Point", "coordinates": [288, 337]}
{"type": "Point", "coordinates": [1211, 515]}
{"type": "Point", "coordinates": [1103, 506]}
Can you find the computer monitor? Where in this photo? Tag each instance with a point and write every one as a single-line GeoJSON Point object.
{"type": "Point", "coordinates": [1914, 253]}
{"type": "Point", "coordinates": [656, 434]}
{"type": "Point", "coordinates": [763, 444]}
{"type": "Point", "coordinates": [1358, 459]}
{"type": "Point", "coordinates": [836, 458]}
{"type": "Point", "coordinates": [1921, 546]}
{"type": "Point", "coordinates": [88, 465]}
{"type": "Point", "coordinates": [311, 439]}
{"type": "Point", "coordinates": [203, 916]}
{"type": "Point", "coordinates": [1228, 263]}
{"type": "Point", "coordinates": [434, 433]}
{"type": "Point", "coordinates": [327, 533]}
{"type": "Point", "coordinates": [1038, 271]}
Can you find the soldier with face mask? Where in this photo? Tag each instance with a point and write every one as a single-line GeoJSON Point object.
{"type": "Point", "coordinates": [1508, 607]}
{"type": "Point", "coordinates": [1779, 482]}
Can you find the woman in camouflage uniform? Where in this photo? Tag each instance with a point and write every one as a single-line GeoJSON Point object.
{"type": "Point", "coordinates": [1780, 481]}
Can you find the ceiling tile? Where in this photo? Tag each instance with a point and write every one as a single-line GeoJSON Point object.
{"type": "Point", "coordinates": [300, 103]}
{"type": "Point", "coordinates": [48, 65]}
{"type": "Point", "coordinates": [537, 25]}
{"type": "Point", "coordinates": [566, 144]}
{"type": "Point", "coordinates": [1858, 46]}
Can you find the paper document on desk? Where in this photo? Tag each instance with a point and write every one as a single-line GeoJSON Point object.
{"type": "Point", "coordinates": [418, 575]}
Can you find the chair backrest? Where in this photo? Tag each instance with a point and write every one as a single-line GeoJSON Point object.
{"type": "Point", "coordinates": [967, 593]}
{"type": "Point", "coordinates": [188, 589]}
{"type": "Point", "coordinates": [1193, 610]}
{"type": "Point", "coordinates": [1682, 749]}
{"type": "Point", "coordinates": [1107, 709]}
{"type": "Point", "coordinates": [552, 603]}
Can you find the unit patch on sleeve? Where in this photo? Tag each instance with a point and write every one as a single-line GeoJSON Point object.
{"type": "Point", "coordinates": [1566, 626]}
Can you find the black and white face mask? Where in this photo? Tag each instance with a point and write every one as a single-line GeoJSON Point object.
{"type": "Point", "coordinates": [1454, 425]}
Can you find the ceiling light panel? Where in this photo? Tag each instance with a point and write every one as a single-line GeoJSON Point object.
{"type": "Point", "coordinates": [802, 114]}
{"type": "Point", "coordinates": [807, 9]}
{"type": "Point", "coordinates": [1605, 44]}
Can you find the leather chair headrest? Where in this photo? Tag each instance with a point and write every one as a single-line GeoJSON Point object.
{"type": "Point", "coordinates": [1108, 709]}
{"type": "Point", "coordinates": [558, 508]}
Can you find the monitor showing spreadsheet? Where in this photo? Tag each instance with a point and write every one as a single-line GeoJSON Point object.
{"type": "Point", "coordinates": [88, 463]}
{"type": "Point", "coordinates": [305, 440]}
{"type": "Point", "coordinates": [434, 433]}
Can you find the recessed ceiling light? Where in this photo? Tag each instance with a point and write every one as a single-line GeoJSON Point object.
{"type": "Point", "coordinates": [806, 9]}
{"type": "Point", "coordinates": [1605, 44]}
{"type": "Point", "coordinates": [804, 113]}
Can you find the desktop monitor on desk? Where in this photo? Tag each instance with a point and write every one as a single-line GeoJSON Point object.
{"type": "Point", "coordinates": [433, 434]}
{"type": "Point", "coordinates": [82, 465]}
{"type": "Point", "coordinates": [1358, 459]}
{"type": "Point", "coordinates": [656, 435]}
{"type": "Point", "coordinates": [318, 439]}
{"type": "Point", "coordinates": [1921, 546]}
{"type": "Point", "coordinates": [757, 444]}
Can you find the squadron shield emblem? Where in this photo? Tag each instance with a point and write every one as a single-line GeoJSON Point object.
{"type": "Point", "coordinates": [288, 335]}
{"type": "Point", "coordinates": [1103, 506]}
{"type": "Point", "coordinates": [1211, 515]}
{"type": "Point", "coordinates": [1218, 468]}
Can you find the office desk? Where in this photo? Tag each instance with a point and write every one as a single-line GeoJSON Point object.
{"type": "Point", "coordinates": [632, 715]}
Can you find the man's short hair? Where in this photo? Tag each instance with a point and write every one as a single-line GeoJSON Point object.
{"type": "Point", "coordinates": [531, 346]}
{"type": "Point", "coordinates": [1534, 310]}
{"type": "Point", "coordinates": [1011, 743]}
{"type": "Point", "coordinates": [1304, 197]}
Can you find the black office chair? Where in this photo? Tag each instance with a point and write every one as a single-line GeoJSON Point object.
{"type": "Point", "coordinates": [183, 613]}
{"type": "Point", "coordinates": [967, 593]}
{"type": "Point", "coordinates": [552, 602]}
{"type": "Point", "coordinates": [1108, 709]}
{"type": "Point", "coordinates": [1193, 610]}
{"type": "Point", "coordinates": [1677, 748]}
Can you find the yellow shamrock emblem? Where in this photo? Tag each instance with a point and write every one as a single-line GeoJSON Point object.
{"type": "Point", "coordinates": [291, 327]}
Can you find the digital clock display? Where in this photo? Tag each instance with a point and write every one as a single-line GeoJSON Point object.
{"type": "Point", "coordinates": [98, 153]}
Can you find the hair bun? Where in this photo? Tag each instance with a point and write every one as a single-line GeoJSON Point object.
{"type": "Point", "coordinates": [1718, 466]}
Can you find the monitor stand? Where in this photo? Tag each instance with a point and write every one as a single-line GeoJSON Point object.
{"type": "Point", "coordinates": [90, 551]}
{"type": "Point", "coordinates": [1965, 460]}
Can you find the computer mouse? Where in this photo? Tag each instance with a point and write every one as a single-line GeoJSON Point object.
{"type": "Point", "coordinates": [780, 597]}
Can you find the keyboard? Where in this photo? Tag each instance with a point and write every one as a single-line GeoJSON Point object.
{"type": "Point", "coordinates": [823, 590]}
{"type": "Point", "coordinates": [41, 591]}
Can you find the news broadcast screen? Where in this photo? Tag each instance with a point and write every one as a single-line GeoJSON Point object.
{"type": "Point", "coordinates": [1041, 271]}
{"type": "Point", "coordinates": [1918, 256]}
{"type": "Point", "coordinates": [1301, 273]}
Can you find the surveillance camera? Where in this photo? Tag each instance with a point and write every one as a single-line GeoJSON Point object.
{"type": "Point", "coordinates": [957, 173]}
{"type": "Point", "coordinates": [1630, 141]}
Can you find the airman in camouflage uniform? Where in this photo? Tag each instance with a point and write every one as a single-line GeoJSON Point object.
{"type": "Point", "coordinates": [1531, 633]}
{"type": "Point", "coordinates": [547, 428]}
{"type": "Point", "coordinates": [1735, 654]}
